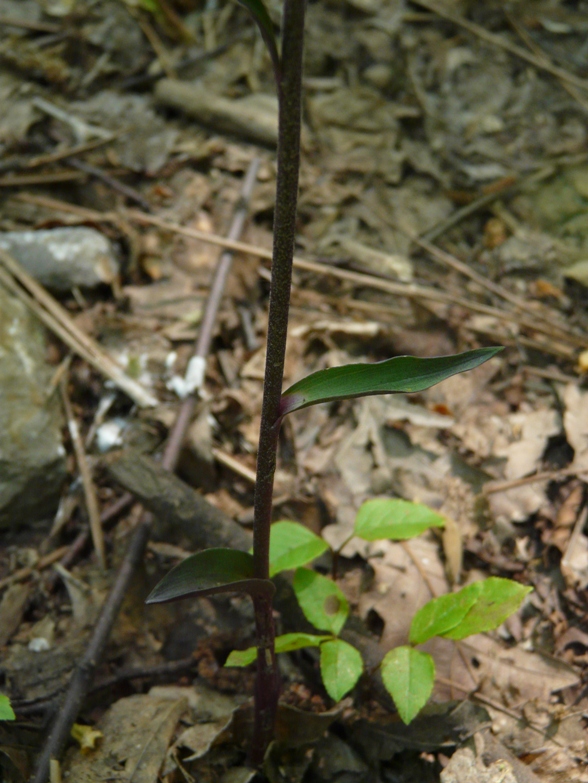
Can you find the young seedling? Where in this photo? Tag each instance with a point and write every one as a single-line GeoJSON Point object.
{"type": "Point", "coordinates": [408, 674]}
{"type": "Point", "coordinates": [222, 570]}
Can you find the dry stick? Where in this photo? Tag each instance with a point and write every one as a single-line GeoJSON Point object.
{"type": "Point", "coordinates": [526, 38]}
{"type": "Point", "coordinates": [459, 266]}
{"type": "Point", "coordinates": [25, 180]}
{"type": "Point", "coordinates": [112, 182]}
{"type": "Point", "coordinates": [410, 290]}
{"type": "Point", "coordinates": [25, 24]}
{"type": "Point", "coordinates": [58, 320]}
{"type": "Point", "coordinates": [198, 362]}
{"type": "Point", "coordinates": [78, 149]}
{"type": "Point", "coordinates": [44, 562]}
{"type": "Point", "coordinates": [492, 487]}
{"type": "Point", "coordinates": [503, 43]}
{"type": "Point", "coordinates": [86, 476]}
{"type": "Point", "coordinates": [83, 675]}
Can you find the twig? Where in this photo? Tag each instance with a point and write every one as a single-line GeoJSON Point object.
{"type": "Point", "coordinates": [156, 45]}
{"type": "Point", "coordinates": [574, 538]}
{"type": "Point", "coordinates": [197, 365]}
{"type": "Point", "coordinates": [84, 672]}
{"type": "Point", "coordinates": [233, 464]}
{"type": "Point", "coordinates": [44, 562]}
{"type": "Point", "coordinates": [493, 487]}
{"type": "Point", "coordinates": [86, 476]}
{"type": "Point", "coordinates": [57, 319]}
{"type": "Point", "coordinates": [25, 180]}
{"type": "Point", "coordinates": [78, 149]}
{"type": "Point", "coordinates": [112, 182]}
{"type": "Point", "coordinates": [503, 43]}
{"type": "Point", "coordinates": [469, 209]}
{"type": "Point", "coordinates": [82, 130]}
{"type": "Point", "coordinates": [83, 675]}
{"type": "Point", "coordinates": [25, 24]}
{"type": "Point", "coordinates": [454, 263]}
{"type": "Point", "coordinates": [409, 290]}
{"type": "Point", "coordinates": [518, 28]}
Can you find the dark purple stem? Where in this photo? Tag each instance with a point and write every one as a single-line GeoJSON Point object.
{"type": "Point", "coordinates": [290, 109]}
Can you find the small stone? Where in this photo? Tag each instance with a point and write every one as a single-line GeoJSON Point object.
{"type": "Point", "coordinates": [63, 258]}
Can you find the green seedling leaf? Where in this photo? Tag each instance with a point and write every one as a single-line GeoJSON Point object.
{"type": "Point", "coordinates": [208, 572]}
{"type": "Point", "coordinates": [401, 374]}
{"type": "Point", "coordinates": [285, 643]}
{"type": "Point", "coordinates": [6, 711]}
{"type": "Point", "coordinates": [259, 12]}
{"type": "Point", "coordinates": [292, 545]}
{"type": "Point", "coordinates": [341, 667]}
{"type": "Point", "coordinates": [322, 602]}
{"type": "Point", "coordinates": [409, 676]}
{"type": "Point", "coordinates": [395, 519]}
{"type": "Point", "coordinates": [443, 614]}
{"type": "Point", "coordinates": [497, 600]}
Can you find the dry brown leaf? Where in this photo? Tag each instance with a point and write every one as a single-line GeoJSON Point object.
{"type": "Point", "coordinates": [137, 731]}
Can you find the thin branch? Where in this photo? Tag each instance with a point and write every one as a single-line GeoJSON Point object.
{"type": "Point", "coordinates": [86, 476]}
{"type": "Point", "coordinates": [58, 320]}
{"type": "Point", "coordinates": [503, 43]}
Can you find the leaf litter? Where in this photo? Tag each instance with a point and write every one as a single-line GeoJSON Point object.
{"type": "Point", "coordinates": [417, 126]}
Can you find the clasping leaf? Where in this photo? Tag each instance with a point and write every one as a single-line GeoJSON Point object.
{"type": "Point", "coordinates": [401, 374]}
{"type": "Point", "coordinates": [211, 571]}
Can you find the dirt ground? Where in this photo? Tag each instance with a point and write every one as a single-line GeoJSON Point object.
{"type": "Point", "coordinates": [443, 207]}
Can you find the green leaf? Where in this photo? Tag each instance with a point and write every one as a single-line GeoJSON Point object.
{"type": "Point", "coordinates": [211, 571]}
{"type": "Point", "coordinates": [322, 602]}
{"type": "Point", "coordinates": [285, 643]}
{"type": "Point", "coordinates": [409, 676]}
{"type": "Point", "coordinates": [497, 600]}
{"type": "Point", "coordinates": [293, 545]}
{"type": "Point", "coordinates": [6, 711]}
{"type": "Point", "coordinates": [395, 519]}
{"type": "Point", "coordinates": [401, 374]}
{"type": "Point", "coordinates": [341, 667]}
{"type": "Point", "coordinates": [259, 12]}
{"type": "Point", "coordinates": [443, 614]}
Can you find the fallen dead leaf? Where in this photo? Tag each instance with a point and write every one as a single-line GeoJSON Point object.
{"type": "Point", "coordinates": [137, 731]}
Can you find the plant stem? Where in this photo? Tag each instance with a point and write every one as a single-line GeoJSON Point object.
{"type": "Point", "coordinates": [290, 108]}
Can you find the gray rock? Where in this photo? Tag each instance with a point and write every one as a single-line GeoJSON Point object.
{"type": "Point", "coordinates": [32, 457]}
{"type": "Point", "coordinates": [61, 258]}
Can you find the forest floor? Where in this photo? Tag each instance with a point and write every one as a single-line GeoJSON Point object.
{"type": "Point", "coordinates": [443, 207]}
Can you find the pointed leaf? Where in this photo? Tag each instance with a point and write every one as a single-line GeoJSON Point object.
{"type": "Point", "coordinates": [211, 571]}
{"type": "Point", "coordinates": [443, 614]}
{"type": "Point", "coordinates": [409, 676]}
{"type": "Point", "coordinates": [498, 599]}
{"type": "Point", "coordinates": [293, 545]}
{"type": "Point", "coordinates": [6, 711]}
{"type": "Point", "coordinates": [259, 12]}
{"type": "Point", "coordinates": [395, 519]}
{"type": "Point", "coordinates": [341, 667]}
{"type": "Point", "coordinates": [401, 374]}
{"type": "Point", "coordinates": [285, 643]}
{"type": "Point", "coordinates": [322, 602]}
